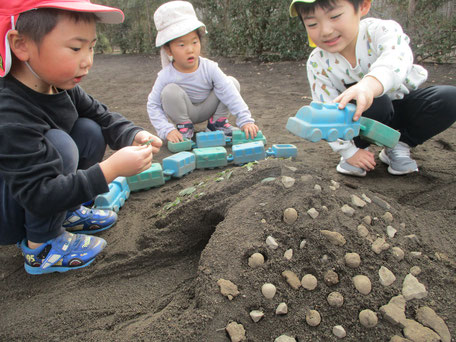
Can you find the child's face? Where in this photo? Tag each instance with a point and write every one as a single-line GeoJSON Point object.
{"type": "Point", "coordinates": [185, 51]}
{"type": "Point", "coordinates": [65, 54]}
{"type": "Point", "coordinates": [335, 29]}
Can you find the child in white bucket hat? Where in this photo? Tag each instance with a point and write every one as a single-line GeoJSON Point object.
{"type": "Point", "coordinates": [191, 89]}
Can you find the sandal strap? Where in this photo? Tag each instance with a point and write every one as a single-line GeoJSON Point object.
{"type": "Point", "coordinates": [184, 125]}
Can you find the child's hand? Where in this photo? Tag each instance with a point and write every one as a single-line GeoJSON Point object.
{"type": "Point", "coordinates": [250, 129]}
{"type": "Point", "coordinates": [363, 159]}
{"type": "Point", "coordinates": [174, 136]}
{"type": "Point", "coordinates": [145, 138]}
{"type": "Point", "coordinates": [363, 93]}
{"type": "Point", "coordinates": [127, 162]}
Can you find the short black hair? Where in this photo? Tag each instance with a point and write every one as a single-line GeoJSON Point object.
{"type": "Point", "coordinates": [308, 8]}
{"type": "Point", "coordinates": [37, 23]}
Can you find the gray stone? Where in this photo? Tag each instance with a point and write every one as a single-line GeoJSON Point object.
{"type": "Point", "coordinates": [418, 333]}
{"type": "Point", "coordinates": [236, 332]}
{"type": "Point", "coordinates": [394, 311]}
{"type": "Point", "coordinates": [426, 316]}
{"type": "Point", "coordinates": [334, 238]}
{"type": "Point", "coordinates": [412, 288]}
{"type": "Point", "coordinates": [368, 318]}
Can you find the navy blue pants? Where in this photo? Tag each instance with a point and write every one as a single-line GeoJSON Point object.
{"type": "Point", "coordinates": [82, 148]}
{"type": "Point", "coordinates": [419, 116]}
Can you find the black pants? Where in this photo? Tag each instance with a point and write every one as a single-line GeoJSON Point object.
{"type": "Point", "coordinates": [82, 148]}
{"type": "Point", "coordinates": [419, 116]}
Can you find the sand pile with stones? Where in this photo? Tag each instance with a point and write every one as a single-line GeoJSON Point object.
{"type": "Point", "coordinates": [301, 257]}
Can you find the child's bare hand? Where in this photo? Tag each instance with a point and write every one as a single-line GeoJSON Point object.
{"type": "Point", "coordinates": [363, 159]}
{"type": "Point", "coordinates": [127, 162]}
{"type": "Point", "coordinates": [174, 136]}
{"type": "Point", "coordinates": [146, 138]}
{"type": "Point", "coordinates": [363, 93]}
{"type": "Point", "coordinates": [250, 129]}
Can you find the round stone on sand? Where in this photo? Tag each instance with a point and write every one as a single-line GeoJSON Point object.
{"type": "Point", "coordinates": [352, 260]}
{"type": "Point", "coordinates": [309, 282]}
{"type": "Point", "coordinates": [339, 331]}
{"type": "Point", "coordinates": [290, 215]}
{"type": "Point", "coordinates": [313, 318]}
{"type": "Point", "coordinates": [336, 299]}
{"type": "Point", "coordinates": [268, 290]}
{"type": "Point", "coordinates": [256, 259]}
{"type": "Point", "coordinates": [362, 284]}
{"type": "Point", "coordinates": [368, 318]}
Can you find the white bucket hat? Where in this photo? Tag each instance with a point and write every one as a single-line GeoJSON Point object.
{"type": "Point", "coordinates": [172, 20]}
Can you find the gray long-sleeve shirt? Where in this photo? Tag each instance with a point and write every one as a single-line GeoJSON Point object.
{"type": "Point", "coordinates": [198, 85]}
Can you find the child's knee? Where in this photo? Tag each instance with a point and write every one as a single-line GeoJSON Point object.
{"type": "Point", "coordinates": [66, 147]}
{"type": "Point", "coordinates": [171, 92]}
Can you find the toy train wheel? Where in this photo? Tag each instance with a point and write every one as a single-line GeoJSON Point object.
{"type": "Point", "coordinates": [332, 134]}
{"type": "Point", "coordinates": [315, 135]}
{"type": "Point", "coordinates": [349, 134]}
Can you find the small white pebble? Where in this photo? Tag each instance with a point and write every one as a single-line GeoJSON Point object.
{"type": "Point", "coordinates": [352, 260]}
{"type": "Point", "coordinates": [398, 253]}
{"type": "Point", "coordinates": [271, 242]}
{"type": "Point", "coordinates": [268, 290]}
{"type": "Point", "coordinates": [288, 254]}
{"type": "Point", "coordinates": [391, 231]}
{"type": "Point", "coordinates": [335, 299]}
{"type": "Point", "coordinates": [339, 331]}
{"type": "Point", "coordinates": [309, 282]}
{"type": "Point", "coordinates": [256, 259]}
{"type": "Point", "coordinates": [312, 212]}
{"type": "Point", "coordinates": [415, 271]}
{"type": "Point", "coordinates": [362, 284]}
{"type": "Point", "coordinates": [302, 244]}
{"type": "Point", "coordinates": [282, 309]}
{"type": "Point", "coordinates": [290, 215]}
{"type": "Point", "coordinates": [256, 315]}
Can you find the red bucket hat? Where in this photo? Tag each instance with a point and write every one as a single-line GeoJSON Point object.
{"type": "Point", "coordinates": [11, 9]}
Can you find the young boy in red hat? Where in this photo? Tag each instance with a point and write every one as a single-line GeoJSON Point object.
{"type": "Point", "coordinates": [370, 61]}
{"type": "Point", "coordinates": [53, 135]}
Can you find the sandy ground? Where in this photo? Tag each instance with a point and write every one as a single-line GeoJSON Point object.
{"type": "Point", "coordinates": [157, 278]}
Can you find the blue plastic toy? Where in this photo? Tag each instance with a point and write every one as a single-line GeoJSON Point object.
{"type": "Point", "coordinates": [210, 157]}
{"type": "Point", "coordinates": [210, 139]}
{"type": "Point", "coordinates": [282, 151]}
{"type": "Point", "coordinates": [151, 178]}
{"type": "Point", "coordinates": [378, 133]}
{"type": "Point", "coordinates": [178, 165]}
{"type": "Point", "coordinates": [246, 153]}
{"type": "Point", "coordinates": [115, 198]}
{"type": "Point", "coordinates": [324, 121]}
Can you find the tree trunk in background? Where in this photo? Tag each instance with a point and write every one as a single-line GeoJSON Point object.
{"type": "Point", "coordinates": [411, 14]}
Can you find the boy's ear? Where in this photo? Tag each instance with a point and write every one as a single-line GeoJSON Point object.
{"type": "Point", "coordinates": [365, 7]}
{"type": "Point", "coordinates": [19, 45]}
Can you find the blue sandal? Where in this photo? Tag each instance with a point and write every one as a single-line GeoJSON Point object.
{"type": "Point", "coordinates": [64, 253]}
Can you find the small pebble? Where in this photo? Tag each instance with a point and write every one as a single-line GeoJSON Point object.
{"type": "Point", "coordinates": [346, 209]}
{"type": "Point", "coordinates": [390, 231]}
{"type": "Point", "coordinates": [236, 332]}
{"type": "Point", "coordinates": [362, 284]}
{"type": "Point", "coordinates": [228, 288]}
{"type": "Point", "coordinates": [271, 242]}
{"type": "Point", "coordinates": [367, 199]}
{"type": "Point", "coordinates": [285, 338]}
{"type": "Point", "coordinates": [367, 220]}
{"type": "Point", "coordinates": [292, 279]}
{"type": "Point", "coordinates": [256, 259]}
{"type": "Point", "coordinates": [335, 238]}
{"type": "Point", "coordinates": [415, 271]}
{"type": "Point", "coordinates": [380, 245]}
{"type": "Point", "coordinates": [352, 260]}
{"type": "Point", "coordinates": [290, 215]}
{"type": "Point", "coordinates": [302, 244]}
{"type": "Point", "coordinates": [398, 253]}
{"type": "Point", "coordinates": [388, 217]}
{"type": "Point", "coordinates": [368, 318]}
{"type": "Point", "coordinates": [313, 318]}
{"type": "Point", "coordinates": [288, 254]}
{"type": "Point", "coordinates": [335, 299]}
{"type": "Point", "coordinates": [288, 182]}
{"type": "Point", "coordinates": [268, 290]}
{"type": "Point", "coordinates": [362, 231]}
{"type": "Point", "coordinates": [335, 184]}
{"type": "Point", "coordinates": [312, 212]}
{"type": "Point", "coordinates": [317, 188]}
{"type": "Point", "coordinates": [339, 331]}
{"type": "Point", "coordinates": [256, 315]}
{"type": "Point", "coordinates": [386, 276]}
{"type": "Point", "coordinates": [357, 202]}
{"type": "Point", "coordinates": [309, 282]}
{"type": "Point", "coordinates": [282, 309]}
{"type": "Point", "coordinates": [331, 278]}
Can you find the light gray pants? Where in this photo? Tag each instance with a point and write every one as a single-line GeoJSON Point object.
{"type": "Point", "coordinates": [179, 108]}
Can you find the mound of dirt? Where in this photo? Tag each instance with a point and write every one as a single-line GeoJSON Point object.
{"type": "Point", "coordinates": [164, 273]}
